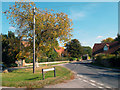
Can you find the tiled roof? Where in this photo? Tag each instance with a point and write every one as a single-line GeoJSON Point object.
{"type": "Point", "coordinates": [112, 47]}
{"type": "Point", "coordinates": [25, 43]}
{"type": "Point", "coordinates": [61, 50]}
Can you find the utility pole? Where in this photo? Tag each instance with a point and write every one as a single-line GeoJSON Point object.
{"type": "Point", "coordinates": [34, 40]}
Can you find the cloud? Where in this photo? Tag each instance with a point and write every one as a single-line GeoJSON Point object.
{"type": "Point", "coordinates": [84, 43]}
{"type": "Point", "coordinates": [98, 37]}
{"type": "Point", "coordinates": [78, 14]}
{"type": "Point", "coordinates": [75, 15]}
{"type": "Point", "coordinates": [11, 28]}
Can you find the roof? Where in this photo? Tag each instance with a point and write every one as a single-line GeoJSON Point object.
{"type": "Point", "coordinates": [25, 43]}
{"type": "Point", "coordinates": [60, 50]}
{"type": "Point", "coordinates": [113, 46]}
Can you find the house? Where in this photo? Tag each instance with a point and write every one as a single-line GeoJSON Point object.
{"type": "Point", "coordinates": [106, 48]}
{"type": "Point", "coordinates": [25, 43]}
{"type": "Point", "coordinates": [60, 51]}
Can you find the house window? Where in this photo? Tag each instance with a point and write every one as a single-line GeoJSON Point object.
{"type": "Point", "coordinates": [105, 48]}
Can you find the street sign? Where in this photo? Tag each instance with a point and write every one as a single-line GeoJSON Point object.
{"type": "Point", "coordinates": [50, 69]}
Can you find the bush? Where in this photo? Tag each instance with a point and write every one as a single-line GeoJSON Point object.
{"type": "Point", "coordinates": [109, 60]}
{"type": "Point", "coordinates": [27, 60]}
{"type": "Point", "coordinates": [51, 60]}
{"type": "Point", "coordinates": [71, 59]}
{"type": "Point", "coordinates": [13, 65]}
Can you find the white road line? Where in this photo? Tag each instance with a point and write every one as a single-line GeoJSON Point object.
{"type": "Point", "coordinates": [79, 75]}
{"type": "Point", "coordinates": [88, 81]}
{"type": "Point", "coordinates": [100, 87]}
{"type": "Point", "coordinates": [108, 87]}
{"type": "Point", "coordinates": [100, 84]}
{"type": "Point", "coordinates": [85, 80]}
{"type": "Point", "coordinates": [93, 84]}
{"type": "Point", "coordinates": [92, 81]}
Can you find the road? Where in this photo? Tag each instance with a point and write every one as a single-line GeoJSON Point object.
{"type": "Point", "coordinates": [89, 76]}
{"type": "Point", "coordinates": [99, 76]}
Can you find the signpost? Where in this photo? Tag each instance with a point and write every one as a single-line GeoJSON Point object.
{"type": "Point", "coordinates": [50, 69]}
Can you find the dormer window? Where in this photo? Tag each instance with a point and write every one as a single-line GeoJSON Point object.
{"type": "Point", "coordinates": [106, 47]}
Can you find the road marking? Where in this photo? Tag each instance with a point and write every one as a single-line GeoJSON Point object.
{"type": "Point", "coordinates": [100, 87]}
{"type": "Point", "coordinates": [85, 80]}
{"type": "Point", "coordinates": [108, 87]}
{"type": "Point", "coordinates": [100, 84]}
{"type": "Point", "coordinates": [79, 75]}
{"type": "Point", "coordinates": [92, 81]}
{"type": "Point", "coordinates": [93, 84]}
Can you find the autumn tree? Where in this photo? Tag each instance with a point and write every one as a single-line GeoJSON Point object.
{"type": "Point", "coordinates": [74, 48]}
{"type": "Point", "coordinates": [107, 40]}
{"type": "Point", "coordinates": [49, 26]}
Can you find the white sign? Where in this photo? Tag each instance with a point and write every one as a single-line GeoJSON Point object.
{"type": "Point", "coordinates": [50, 69]}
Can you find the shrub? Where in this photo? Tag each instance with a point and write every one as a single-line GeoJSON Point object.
{"type": "Point", "coordinates": [109, 60]}
{"type": "Point", "coordinates": [13, 65]}
{"type": "Point", "coordinates": [28, 60]}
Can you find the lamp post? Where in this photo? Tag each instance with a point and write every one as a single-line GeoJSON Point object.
{"type": "Point", "coordinates": [34, 40]}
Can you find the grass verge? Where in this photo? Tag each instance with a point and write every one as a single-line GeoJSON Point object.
{"type": "Point", "coordinates": [26, 79]}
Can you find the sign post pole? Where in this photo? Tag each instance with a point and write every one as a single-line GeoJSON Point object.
{"type": "Point", "coordinates": [54, 72]}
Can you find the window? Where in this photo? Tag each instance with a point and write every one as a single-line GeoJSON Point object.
{"type": "Point", "coordinates": [105, 48]}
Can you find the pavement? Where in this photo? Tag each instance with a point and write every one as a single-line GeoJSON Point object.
{"type": "Point", "coordinates": [89, 76]}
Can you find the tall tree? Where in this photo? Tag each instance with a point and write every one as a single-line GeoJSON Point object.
{"type": "Point", "coordinates": [10, 48]}
{"type": "Point", "coordinates": [74, 48]}
{"type": "Point", "coordinates": [117, 38]}
{"type": "Point", "coordinates": [107, 40]}
{"type": "Point", "coordinates": [87, 50]}
{"type": "Point", "coordinates": [49, 26]}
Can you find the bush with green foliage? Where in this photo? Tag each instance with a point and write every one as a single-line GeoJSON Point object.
{"type": "Point", "coordinates": [108, 60]}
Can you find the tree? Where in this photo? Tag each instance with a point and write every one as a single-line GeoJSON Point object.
{"type": "Point", "coordinates": [50, 26]}
{"type": "Point", "coordinates": [117, 38]}
{"type": "Point", "coordinates": [74, 48]}
{"type": "Point", "coordinates": [107, 40]}
{"type": "Point", "coordinates": [10, 48]}
{"type": "Point", "coordinates": [87, 50]}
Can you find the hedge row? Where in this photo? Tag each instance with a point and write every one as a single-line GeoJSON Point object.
{"type": "Point", "coordinates": [109, 60]}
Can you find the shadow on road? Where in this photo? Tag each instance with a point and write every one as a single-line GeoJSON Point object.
{"type": "Point", "coordinates": [89, 64]}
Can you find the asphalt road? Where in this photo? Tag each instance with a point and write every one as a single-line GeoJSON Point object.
{"type": "Point", "coordinates": [104, 77]}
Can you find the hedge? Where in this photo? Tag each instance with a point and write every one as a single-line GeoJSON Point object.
{"type": "Point", "coordinates": [109, 60]}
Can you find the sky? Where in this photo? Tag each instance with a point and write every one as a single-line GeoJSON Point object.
{"type": "Point", "coordinates": [92, 21]}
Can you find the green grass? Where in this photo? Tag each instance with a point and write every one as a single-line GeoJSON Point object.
{"type": "Point", "coordinates": [25, 77]}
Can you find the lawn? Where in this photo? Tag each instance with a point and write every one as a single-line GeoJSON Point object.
{"type": "Point", "coordinates": [25, 77]}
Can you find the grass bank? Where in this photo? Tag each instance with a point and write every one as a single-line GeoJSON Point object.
{"type": "Point", "coordinates": [25, 78]}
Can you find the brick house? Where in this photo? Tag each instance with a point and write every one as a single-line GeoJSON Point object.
{"type": "Point", "coordinates": [106, 48]}
{"type": "Point", "coordinates": [60, 51]}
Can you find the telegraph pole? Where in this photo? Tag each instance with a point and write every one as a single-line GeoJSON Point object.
{"type": "Point", "coordinates": [34, 40]}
